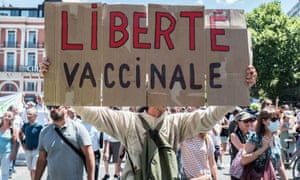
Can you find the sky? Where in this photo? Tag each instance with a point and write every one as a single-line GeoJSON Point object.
{"type": "Point", "coordinates": [247, 5]}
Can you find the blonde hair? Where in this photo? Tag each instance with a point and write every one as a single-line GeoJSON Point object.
{"type": "Point", "coordinates": [9, 113]}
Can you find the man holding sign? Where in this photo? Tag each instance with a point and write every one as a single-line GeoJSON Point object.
{"type": "Point", "coordinates": [175, 53]}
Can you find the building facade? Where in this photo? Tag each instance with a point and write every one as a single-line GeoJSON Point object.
{"type": "Point", "coordinates": [21, 49]}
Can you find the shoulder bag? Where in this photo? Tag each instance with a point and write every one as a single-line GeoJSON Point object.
{"type": "Point", "coordinates": [79, 152]}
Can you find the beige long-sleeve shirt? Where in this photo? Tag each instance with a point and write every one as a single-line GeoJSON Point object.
{"type": "Point", "coordinates": [128, 128]}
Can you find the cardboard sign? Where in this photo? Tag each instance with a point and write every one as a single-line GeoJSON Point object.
{"type": "Point", "coordinates": [145, 55]}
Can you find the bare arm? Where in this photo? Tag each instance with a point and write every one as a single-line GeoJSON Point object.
{"type": "Point", "coordinates": [89, 161]}
{"type": "Point", "coordinates": [213, 167]}
{"type": "Point", "coordinates": [282, 171]}
{"type": "Point", "coordinates": [41, 165]}
{"type": "Point", "coordinates": [14, 145]}
{"type": "Point", "coordinates": [250, 155]}
{"type": "Point", "coordinates": [236, 141]}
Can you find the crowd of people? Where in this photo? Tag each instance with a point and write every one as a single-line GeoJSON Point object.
{"type": "Point", "coordinates": [67, 140]}
{"type": "Point", "coordinates": [258, 131]}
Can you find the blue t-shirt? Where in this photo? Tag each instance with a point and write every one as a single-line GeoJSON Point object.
{"type": "Point", "coordinates": [32, 133]}
{"type": "Point", "coordinates": [274, 153]}
{"type": "Point", "coordinates": [5, 141]}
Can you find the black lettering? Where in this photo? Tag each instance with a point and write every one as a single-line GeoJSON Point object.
{"type": "Point", "coordinates": [122, 68]}
{"type": "Point", "coordinates": [161, 76]}
{"type": "Point", "coordinates": [106, 81]}
{"type": "Point", "coordinates": [192, 78]}
{"type": "Point", "coordinates": [177, 77]}
{"type": "Point", "coordinates": [70, 77]}
{"type": "Point", "coordinates": [213, 75]}
{"type": "Point", "coordinates": [87, 73]}
{"type": "Point", "coordinates": [138, 74]}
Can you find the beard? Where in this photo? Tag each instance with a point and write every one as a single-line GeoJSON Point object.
{"type": "Point", "coordinates": [57, 116]}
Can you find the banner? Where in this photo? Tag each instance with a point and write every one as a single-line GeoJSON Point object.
{"type": "Point", "coordinates": [130, 55]}
{"type": "Point", "coordinates": [6, 101]}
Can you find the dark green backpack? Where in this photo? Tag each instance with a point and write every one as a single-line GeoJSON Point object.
{"type": "Point", "coordinates": [158, 157]}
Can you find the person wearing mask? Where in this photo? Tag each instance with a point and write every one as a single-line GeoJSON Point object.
{"type": "Point", "coordinates": [8, 143]}
{"type": "Point", "coordinates": [265, 143]}
{"type": "Point", "coordinates": [239, 136]}
{"type": "Point", "coordinates": [29, 136]}
{"type": "Point", "coordinates": [128, 128]}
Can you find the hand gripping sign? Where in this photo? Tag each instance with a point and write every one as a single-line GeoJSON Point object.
{"type": "Point", "coordinates": [154, 55]}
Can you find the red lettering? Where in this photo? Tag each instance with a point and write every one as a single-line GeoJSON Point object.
{"type": "Point", "coordinates": [121, 28]}
{"type": "Point", "coordinates": [138, 30]}
{"type": "Point", "coordinates": [94, 28]}
{"type": "Point", "coordinates": [165, 33]}
{"type": "Point", "coordinates": [214, 32]}
{"type": "Point", "coordinates": [64, 36]}
{"type": "Point", "coordinates": [191, 15]}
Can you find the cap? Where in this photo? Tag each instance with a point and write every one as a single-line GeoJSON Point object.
{"type": "Point", "coordinates": [289, 114]}
{"type": "Point", "coordinates": [243, 116]}
{"type": "Point", "coordinates": [30, 103]}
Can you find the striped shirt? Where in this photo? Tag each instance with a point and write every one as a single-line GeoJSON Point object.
{"type": "Point", "coordinates": [194, 156]}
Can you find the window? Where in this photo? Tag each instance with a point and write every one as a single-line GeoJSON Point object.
{"type": "Point", "coordinates": [31, 39]}
{"type": "Point", "coordinates": [30, 86]}
{"type": "Point", "coordinates": [11, 39]}
{"type": "Point", "coordinates": [31, 59]}
{"type": "Point", "coordinates": [9, 87]}
{"type": "Point", "coordinates": [10, 62]}
{"type": "Point", "coordinates": [32, 13]}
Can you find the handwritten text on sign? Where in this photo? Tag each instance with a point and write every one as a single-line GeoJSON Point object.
{"type": "Point", "coordinates": [110, 52]}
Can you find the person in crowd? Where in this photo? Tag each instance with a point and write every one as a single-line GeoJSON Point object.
{"type": "Point", "coordinates": [8, 143]}
{"type": "Point", "coordinates": [62, 161]}
{"type": "Point", "coordinates": [239, 136]}
{"type": "Point", "coordinates": [224, 124]}
{"type": "Point", "coordinates": [42, 111]}
{"type": "Point", "coordinates": [216, 139]}
{"type": "Point", "coordinates": [95, 138]}
{"type": "Point", "coordinates": [266, 102]}
{"type": "Point", "coordinates": [111, 150]}
{"type": "Point", "coordinates": [197, 157]}
{"type": "Point", "coordinates": [264, 142]}
{"type": "Point", "coordinates": [72, 115]}
{"type": "Point", "coordinates": [287, 132]}
{"type": "Point", "coordinates": [29, 136]}
{"type": "Point", "coordinates": [232, 122]}
{"type": "Point", "coordinates": [26, 106]}
{"type": "Point", "coordinates": [17, 125]}
{"type": "Point", "coordinates": [128, 128]}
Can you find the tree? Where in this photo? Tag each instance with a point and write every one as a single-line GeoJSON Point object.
{"type": "Point", "coordinates": [276, 52]}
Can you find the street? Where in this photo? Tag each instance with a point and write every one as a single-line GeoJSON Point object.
{"type": "Point", "coordinates": [23, 174]}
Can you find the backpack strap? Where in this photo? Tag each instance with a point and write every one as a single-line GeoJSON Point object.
{"type": "Point", "coordinates": [152, 132]}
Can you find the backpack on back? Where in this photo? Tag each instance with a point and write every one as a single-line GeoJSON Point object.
{"type": "Point", "coordinates": [158, 157]}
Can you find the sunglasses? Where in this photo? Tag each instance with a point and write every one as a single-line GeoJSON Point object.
{"type": "Point", "coordinates": [274, 119]}
{"type": "Point", "coordinates": [249, 120]}
{"type": "Point", "coordinates": [53, 107]}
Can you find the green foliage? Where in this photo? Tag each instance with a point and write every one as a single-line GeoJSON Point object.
{"type": "Point", "coordinates": [276, 52]}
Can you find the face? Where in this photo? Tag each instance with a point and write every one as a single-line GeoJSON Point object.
{"type": "Point", "coordinates": [245, 125]}
{"type": "Point", "coordinates": [272, 123]}
{"type": "Point", "coordinates": [31, 115]}
{"type": "Point", "coordinates": [71, 113]}
{"type": "Point", "coordinates": [58, 113]}
{"type": "Point", "coordinates": [7, 117]}
{"type": "Point", "coordinates": [156, 111]}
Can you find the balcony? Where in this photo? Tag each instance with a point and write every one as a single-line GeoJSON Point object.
{"type": "Point", "coordinates": [7, 44]}
{"type": "Point", "coordinates": [34, 45]}
{"type": "Point", "coordinates": [20, 68]}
